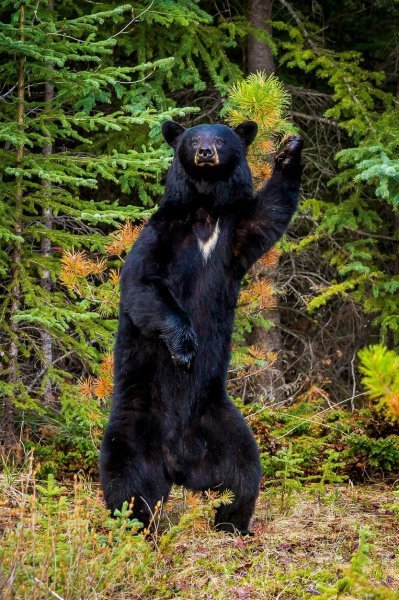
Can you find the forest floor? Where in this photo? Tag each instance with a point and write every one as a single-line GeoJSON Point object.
{"type": "Point", "coordinates": [322, 541]}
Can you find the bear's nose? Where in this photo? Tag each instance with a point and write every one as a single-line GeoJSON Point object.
{"type": "Point", "coordinates": [206, 152]}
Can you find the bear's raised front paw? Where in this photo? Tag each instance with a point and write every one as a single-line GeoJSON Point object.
{"type": "Point", "coordinates": [182, 343]}
{"type": "Point", "coordinates": [289, 154]}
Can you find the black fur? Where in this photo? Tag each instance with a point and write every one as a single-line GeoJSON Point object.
{"type": "Point", "coordinates": [171, 419]}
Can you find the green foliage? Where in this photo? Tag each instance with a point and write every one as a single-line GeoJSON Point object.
{"type": "Point", "coordinates": [331, 445]}
{"type": "Point", "coordinates": [73, 541]}
{"type": "Point", "coordinates": [333, 462]}
{"type": "Point", "coordinates": [395, 505]}
{"type": "Point", "coordinates": [356, 92]}
{"type": "Point", "coordinates": [373, 166]}
{"type": "Point", "coordinates": [380, 368]}
{"type": "Point", "coordinates": [69, 441]}
{"type": "Point", "coordinates": [51, 170]}
{"type": "Point", "coordinates": [260, 98]}
{"type": "Point", "coordinates": [285, 469]}
{"type": "Point", "coordinates": [361, 217]}
{"type": "Point", "coordinates": [265, 100]}
{"type": "Point", "coordinates": [382, 454]}
{"type": "Point", "coordinates": [356, 579]}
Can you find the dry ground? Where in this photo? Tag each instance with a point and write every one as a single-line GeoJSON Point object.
{"type": "Point", "coordinates": [326, 542]}
{"type": "Point", "coordinates": [291, 554]}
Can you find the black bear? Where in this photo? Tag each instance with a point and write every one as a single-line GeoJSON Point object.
{"type": "Point", "coordinates": [171, 419]}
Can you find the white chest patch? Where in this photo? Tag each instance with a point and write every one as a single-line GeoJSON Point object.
{"type": "Point", "coordinates": [206, 248]}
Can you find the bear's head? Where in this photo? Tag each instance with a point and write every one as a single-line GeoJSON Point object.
{"type": "Point", "coordinates": [209, 152]}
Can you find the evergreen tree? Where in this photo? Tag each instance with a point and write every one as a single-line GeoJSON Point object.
{"type": "Point", "coordinates": [62, 99]}
{"type": "Point", "coordinates": [362, 215]}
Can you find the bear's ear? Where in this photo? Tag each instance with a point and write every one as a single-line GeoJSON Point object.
{"type": "Point", "coordinates": [171, 132]}
{"type": "Point", "coordinates": [247, 132]}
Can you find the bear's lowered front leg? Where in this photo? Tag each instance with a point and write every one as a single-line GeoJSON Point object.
{"type": "Point", "coordinates": [154, 309]}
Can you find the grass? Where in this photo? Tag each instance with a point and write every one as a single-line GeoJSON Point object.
{"type": "Point", "coordinates": [332, 541]}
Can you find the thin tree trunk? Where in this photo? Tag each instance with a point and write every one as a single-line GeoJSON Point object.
{"type": "Point", "coordinates": [45, 246]}
{"type": "Point", "coordinates": [260, 57]}
{"type": "Point", "coordinates": [395, 265]}
{"type": "Point", "coordinates": [9, 416]}
{"type": "Point", "coordinates": [268, 385]}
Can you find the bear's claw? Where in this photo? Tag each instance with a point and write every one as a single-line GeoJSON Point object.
{"type": "Point", "coordinates": [182, 343]}
{"type": "Point", "coordinates": [289, 154]}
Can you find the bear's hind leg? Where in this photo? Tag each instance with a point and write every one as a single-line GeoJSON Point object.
{"type": "Point", "coordinates": [242, 478]}
{"type": "Point", "coordinates": [235, 517]}
{"type": "Point", "coordinates": [132, 465]}
{"type": "Point", "coordinates": [231, 462]}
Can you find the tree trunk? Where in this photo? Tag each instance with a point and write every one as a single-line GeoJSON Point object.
{"type": "Point", "coordinates": [267, 385]}
{"type": "Point", "coordinates": [395, 265]}
{"type": "Point", "coordinates": [8, 424]}
{"type": "Point", "coordinates": [260, 57]}
{"type": "Point", "coordinates": [45, 246]}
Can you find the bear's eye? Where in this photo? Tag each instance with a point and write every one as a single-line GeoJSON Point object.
{"type": "Point", "coordinates": [218, 141]}
{"type": "Point", "coordinates": [195, 142]}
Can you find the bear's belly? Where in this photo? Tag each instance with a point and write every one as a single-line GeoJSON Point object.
{"type": "Point", "coordinates": [209, 298]}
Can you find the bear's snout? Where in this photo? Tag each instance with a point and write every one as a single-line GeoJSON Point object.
{"type": "Point", "coordinates": [206, 155]}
